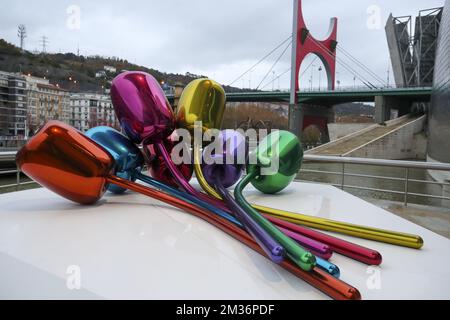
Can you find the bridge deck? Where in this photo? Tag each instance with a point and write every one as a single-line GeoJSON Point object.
{"type": "Point", "coordinates": [329, 97]}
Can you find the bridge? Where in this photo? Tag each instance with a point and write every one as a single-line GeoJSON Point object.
{"type": "Point", "coordinates": [330, 97]}
{"type": "Point", "coordinates": [316, 104]}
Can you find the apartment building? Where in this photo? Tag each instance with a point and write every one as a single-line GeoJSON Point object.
{"type": "Point", "coordinates": [45, 102]}
{"type": "Point", "coordinates": [13, 106]}
{"type": "Point", "coordinates": [90, 110]}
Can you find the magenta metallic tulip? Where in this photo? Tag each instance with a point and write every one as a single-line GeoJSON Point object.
{"type": "Point", "coordinates": [141, 107]}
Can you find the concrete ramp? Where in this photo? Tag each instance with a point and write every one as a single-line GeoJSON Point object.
{"type": "Point", "coordinates": [394, 140]}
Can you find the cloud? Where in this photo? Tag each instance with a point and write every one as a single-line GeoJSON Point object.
{"type": "Point", "coordinates": [212, 37]}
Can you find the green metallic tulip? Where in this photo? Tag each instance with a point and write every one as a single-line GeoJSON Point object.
{"type": "Point", "coordinates": [282, 152]}
{"type": "Point", "coordinates": [202, 100]}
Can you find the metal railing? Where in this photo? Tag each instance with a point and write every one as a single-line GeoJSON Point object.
{"type": "Point", "coordinates": [406, 179]}
{"type": "Point", "coordinates": [406, 165]}
{"type": "Point", "coordinates": [9, 157]}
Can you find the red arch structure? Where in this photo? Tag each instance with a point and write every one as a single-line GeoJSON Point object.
{"type": "Point", "coordinates": [305, 44]}
{"type": "Point", "coordinates": [324, 49]}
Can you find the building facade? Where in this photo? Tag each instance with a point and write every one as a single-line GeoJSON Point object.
{"type": "Point", "coordinates": [45, 102]}
{"type": "Point", "coordinates": [90, 110]}
{"type": "Point", "coordinates": [413, 52]}
{"type": "Point", "coordinates": [27, 103]}
{"type": "Point", "coordinates": [439, 117]}
{"type": "Point", "coordinates": [13, 105]}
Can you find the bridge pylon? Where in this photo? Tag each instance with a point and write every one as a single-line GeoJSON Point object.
{"type": "Point", "coordinates": [304, 44]}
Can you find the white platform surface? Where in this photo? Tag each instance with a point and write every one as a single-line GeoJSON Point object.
{"type": "Point", "coordinates": [132, 247]}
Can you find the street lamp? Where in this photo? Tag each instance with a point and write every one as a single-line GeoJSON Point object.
{"type": "Point", "coordinates": [273, 80]}
{"type": "Point", "coordinates": [320, 76]}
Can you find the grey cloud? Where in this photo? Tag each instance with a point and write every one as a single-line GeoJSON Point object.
{"type": "Point", "coordinates": [211, 36]}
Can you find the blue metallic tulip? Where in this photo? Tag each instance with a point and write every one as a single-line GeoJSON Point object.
{"type": "Point", "coordinates": [125, 153]}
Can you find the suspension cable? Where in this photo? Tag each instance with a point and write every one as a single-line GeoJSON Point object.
{"type": "Point", "coordinates": [275, 79]}
{"type": "Point", "coordinates": [261, 60]}
{"type": "Point", "coordinates": [274, 64]}
{"type": "Point", "coordinates": [361, 65]}
{"type": "Point", "coordinates": [346, 66]}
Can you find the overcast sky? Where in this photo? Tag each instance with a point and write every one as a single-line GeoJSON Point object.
{"type": "Point", "coordinates": [220, 39]}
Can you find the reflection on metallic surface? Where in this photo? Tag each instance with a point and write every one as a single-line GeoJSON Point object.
{"type": "Point", "coordinates": [287, 148]}
{"type": "Point", "coordinates": [157, 167]}
{"type": "Point", "coordinates": [126, 156]}
{"type": "Point", "coordinates": [202, 100]}
{"type": "Point", "coordinates": [282, 153]}
{"type": "Point", "coordinates": [142, 107]}
{"type": "Point", "coordinates": [67, 162]}
{"type": "Point", "coordinates": [225, 165]}
{"type": "Point", "coordinates": [351, 250]}
{"type": "Point", "coordinates": [387, 236]}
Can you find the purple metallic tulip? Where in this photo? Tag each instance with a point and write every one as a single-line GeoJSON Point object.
{"type": "Point", "coordinates": [226, 163]}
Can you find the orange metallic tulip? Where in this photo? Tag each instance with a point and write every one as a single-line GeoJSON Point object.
{"type": "Point", "coordinates": [63, 160]}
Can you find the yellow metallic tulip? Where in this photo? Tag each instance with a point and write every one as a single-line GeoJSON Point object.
{"type": "Point", "coordinates": [202, 100]}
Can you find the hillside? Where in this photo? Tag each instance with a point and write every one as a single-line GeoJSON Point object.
{"type": "Point", "coordinates": [62, 66]}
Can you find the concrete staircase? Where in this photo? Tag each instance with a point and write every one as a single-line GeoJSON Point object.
{"type": "Point", "coordinates": [348, 144]}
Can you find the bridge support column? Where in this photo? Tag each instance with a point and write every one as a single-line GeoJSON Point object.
{"type": "Point", "coordinates": [382, 110]}
{"type": "Point", "coordinates": [303, 115]}
{"type": "Point", "coordinates": [384, 105]}
{"type": "Point", "coordinates": [296, 119]}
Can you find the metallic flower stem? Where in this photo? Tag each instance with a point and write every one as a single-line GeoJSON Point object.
{"type": "Point", "coordinates": [186, 196]}
{"type": "Point", "coordinates": [329, 267]}
{"type": "Point", "coordinates": [346, 248]}
{"type": "Point", "coordinates": [199, 173]}
{"type": "Point", "coordinates": [299, 255]}
{"type": "Point", "coordinates": [316, 247]}
{"type": "Point", "coordinates": [185, 184]}
{"type": "Point", "coordinates": [272, 248]}
{"type": "Point", "coordinates": [364, 232]}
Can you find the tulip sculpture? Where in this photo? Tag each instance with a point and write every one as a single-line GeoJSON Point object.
{"type": "Point", "coordinates": [79, 169]}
